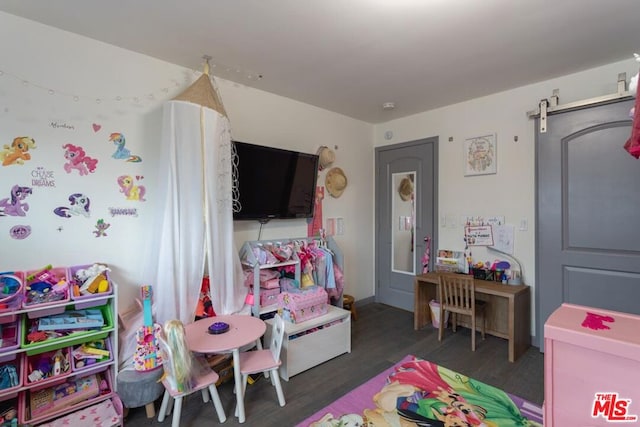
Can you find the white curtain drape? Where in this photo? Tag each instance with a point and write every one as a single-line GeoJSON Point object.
{"type": "Point", "coordinates": [196, 231]}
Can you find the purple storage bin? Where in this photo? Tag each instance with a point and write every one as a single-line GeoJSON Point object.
{"type": "Point", "coordinates": [81, 300]}
{"type": "Point", "coordinates": [40, 308]}
{"type": "Point", "coordinates": [11, 297]}
{"type": "Point", "coordinates": [94, 368]}
{"type": "Point", "coordinates": [10, 340]}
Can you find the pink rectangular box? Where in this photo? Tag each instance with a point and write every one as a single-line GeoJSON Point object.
{"type": "Point", "coordinates": [269, 296]}
{"type": "Point", "coordinates": [299, 305]}
{"type": "Point", "coordinates": [591, 367]}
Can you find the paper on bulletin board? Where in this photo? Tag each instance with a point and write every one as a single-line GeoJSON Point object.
{"type": "Point", "coordinates": [481, 235]}
{"type": "Point", "coordinates": [503, 238]}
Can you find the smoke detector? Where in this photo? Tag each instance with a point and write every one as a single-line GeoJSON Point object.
{"type": "Point", "coordinates": [388, 105]}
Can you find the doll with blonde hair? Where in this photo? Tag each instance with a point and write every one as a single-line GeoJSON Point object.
{"type": "Point", "coordinates": [181, 367]}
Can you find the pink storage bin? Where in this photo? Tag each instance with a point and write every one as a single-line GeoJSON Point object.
{"type": "Point", "coordinates": [107, 412]}
{"type": "Point", "coordinates": [299, 305]}
{"type": "Point", "coordinates": [43, 361]}
{"type": "Point", "coordinates": [42, 308]}
{"type": "Point", "coordinates": [83, 370]}
{"type": "Point", "coordinates": [46, 408]}
{"type": "Point", "coordinates": [269, 296]}
{"type": "Point", "coordinates": [11, 375]}
{"type": "Point", "coordinates": [10, 334]}
{"type": "Point", "coordinates": [81, 300]}
{"type": "Point", "coordinates": [590, 351]}
{"type": "Point", "coordinates": [10, 296]}
{"type": "Point", "coordinates": [9, 405]}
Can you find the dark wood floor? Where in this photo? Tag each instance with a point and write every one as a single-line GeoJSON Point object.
{"type": "Point", "coordinates": [380, 337]}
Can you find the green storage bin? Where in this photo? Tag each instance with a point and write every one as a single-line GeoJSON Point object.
{"type": "Point", "coordinates": [71, 339]}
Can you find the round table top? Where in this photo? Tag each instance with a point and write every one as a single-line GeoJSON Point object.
{"type": "Point", "coordinates": [243, 329]}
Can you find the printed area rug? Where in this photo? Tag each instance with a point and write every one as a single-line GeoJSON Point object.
{"type": "Point", "coordinates": [418, 393]}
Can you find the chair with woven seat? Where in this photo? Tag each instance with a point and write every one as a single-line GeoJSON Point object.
{"type": "Point", "coordinates": [457, 296]}
{"type": "Point", "coordinates": [266, 360]}
{"type": "Point", "coordinates": [202, 379]}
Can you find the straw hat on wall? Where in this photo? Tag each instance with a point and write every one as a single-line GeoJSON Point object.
{"type": "Point", "coordinates": [405, 189]}
{"type": "Point", "coordinates": [326, 157]}
{"type": "Point", "coordinates": [335, 182]}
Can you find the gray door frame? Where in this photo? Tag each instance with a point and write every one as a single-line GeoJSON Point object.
{"type": "Point", "coordinates": [421, 205]}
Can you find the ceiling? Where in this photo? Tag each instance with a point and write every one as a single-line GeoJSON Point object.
{"type": "Point", "coordinates": [352, 56]}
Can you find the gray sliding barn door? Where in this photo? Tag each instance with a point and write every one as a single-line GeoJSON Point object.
{"type": "Point", "coordinates": [587, 222]}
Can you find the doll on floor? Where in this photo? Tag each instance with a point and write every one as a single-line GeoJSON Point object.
{"type": "Point", "coordinates": [181, 366]}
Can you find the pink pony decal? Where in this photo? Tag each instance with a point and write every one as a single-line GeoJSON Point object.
{"type": "Point", "coordinates": [77, 159]}
{"type": "Point", "coordinates": [596, 321]}
{"type": "Point", "coordinates": [132, 191]}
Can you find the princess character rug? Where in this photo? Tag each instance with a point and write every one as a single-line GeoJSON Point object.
{"type": "Point", "coordinates": [418, 393]}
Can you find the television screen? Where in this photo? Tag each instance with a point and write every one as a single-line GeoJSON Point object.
{"type": "Point", "coordinates": [275, 183]}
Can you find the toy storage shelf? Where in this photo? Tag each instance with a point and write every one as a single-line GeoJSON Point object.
{"type": "Point", "coordinates": [310, 343]}
{"type": "Point", "coordinates": [250, 262]}
{"type": "Point", "coordinates": [108, 306]}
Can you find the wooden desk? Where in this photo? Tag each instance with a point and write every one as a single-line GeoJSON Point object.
{"type": "Point", "coordinates": [508, 309]}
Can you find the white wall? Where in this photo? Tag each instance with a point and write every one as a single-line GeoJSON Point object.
{"type": "Point", "coordinates": [510, 192]}
{"type": "Point", "coordinates": [55, 86]}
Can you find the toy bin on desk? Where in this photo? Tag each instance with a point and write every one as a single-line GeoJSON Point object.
{"type": "Point", "coordinates": [90, 299]}
{"type": "Point", "coordinates": [39, 309]}
{"type": "Point", "coordinates": [82, 367]}
{"type": "Point", "coordinates": [11, 295]}
{"type": "Point", "coordinates": [10, 375]}
{"type": "Point", "coordinates": [70, 339]}
{"type": "Point", "coordinates": [298, 305]}
{"type": "Point", "coordinates": [591, 365]}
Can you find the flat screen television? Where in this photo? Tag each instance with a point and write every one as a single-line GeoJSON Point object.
{"type": "Point", "coordinates": [274, 183]}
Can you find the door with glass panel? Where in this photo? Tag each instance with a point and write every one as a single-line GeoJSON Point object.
{"type": "Point", "coordinates": [406, 213]}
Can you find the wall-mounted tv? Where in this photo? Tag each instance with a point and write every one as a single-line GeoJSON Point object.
{"type": "Point", "coordinates": [274, 183]}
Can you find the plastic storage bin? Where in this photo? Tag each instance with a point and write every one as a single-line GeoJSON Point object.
{"type": "Point", "coordinates": [46, 368]}
{"type": "Point", "coordinates": [9, 338]}
{"type": "Point", "coordinates": [10, 375]}
{"type": "Point", "coordinates": [82, 367]}
{"type": "Point", "coordinates": [81, 300]}
{"type": "Point", "coordinates": [11, 295]}
{"type": "Point", "coordinates": [39, 309]}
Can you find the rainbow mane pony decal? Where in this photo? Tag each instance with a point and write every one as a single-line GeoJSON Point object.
{"type": "Point", "coordinates": [121, 152]}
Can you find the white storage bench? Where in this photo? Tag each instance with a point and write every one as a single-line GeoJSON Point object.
{"type": "Point", "coordinates": [314, 341]}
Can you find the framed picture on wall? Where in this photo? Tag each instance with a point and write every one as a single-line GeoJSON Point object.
{"type": "Point", "coordinates": [480, 155]}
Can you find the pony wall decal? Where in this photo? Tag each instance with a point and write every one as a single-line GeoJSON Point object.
{"type": "Point", "coordinates": [80, 204]}
{"type": "Point", "coordinates": [121, 152]}
{"type": "Point", "coordinates": [78, 160]}
{"type": "Point", "coordinates": [17, 153]}
{"type": "Point", "coordinates": [130, 190]}
{"type": "Point", "coordinates": [14, 204]}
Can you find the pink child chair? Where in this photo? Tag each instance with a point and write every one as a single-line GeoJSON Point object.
{"type": "Point", "coordinates": [184, 374]}
{"type": "Point", "coordinates": [266, 361]}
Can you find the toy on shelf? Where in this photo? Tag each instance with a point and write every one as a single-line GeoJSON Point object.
{"type": "Point", "coordinates": [147, 356]}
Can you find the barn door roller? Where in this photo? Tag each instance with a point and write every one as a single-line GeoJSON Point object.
{"type": "Point", "coordinates": [549, 106]}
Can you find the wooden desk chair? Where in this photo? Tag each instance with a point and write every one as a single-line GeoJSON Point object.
{"type": "Point", "coordinates": [267, 360]}
{"type": "Point", "coordinates": [457, 296]}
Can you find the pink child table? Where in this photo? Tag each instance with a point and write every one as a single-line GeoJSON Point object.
{"type": "Point", "coordinates": [243, 330]}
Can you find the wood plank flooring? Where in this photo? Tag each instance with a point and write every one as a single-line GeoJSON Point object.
{"type": "Point", "coordinates": [380, 337]}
